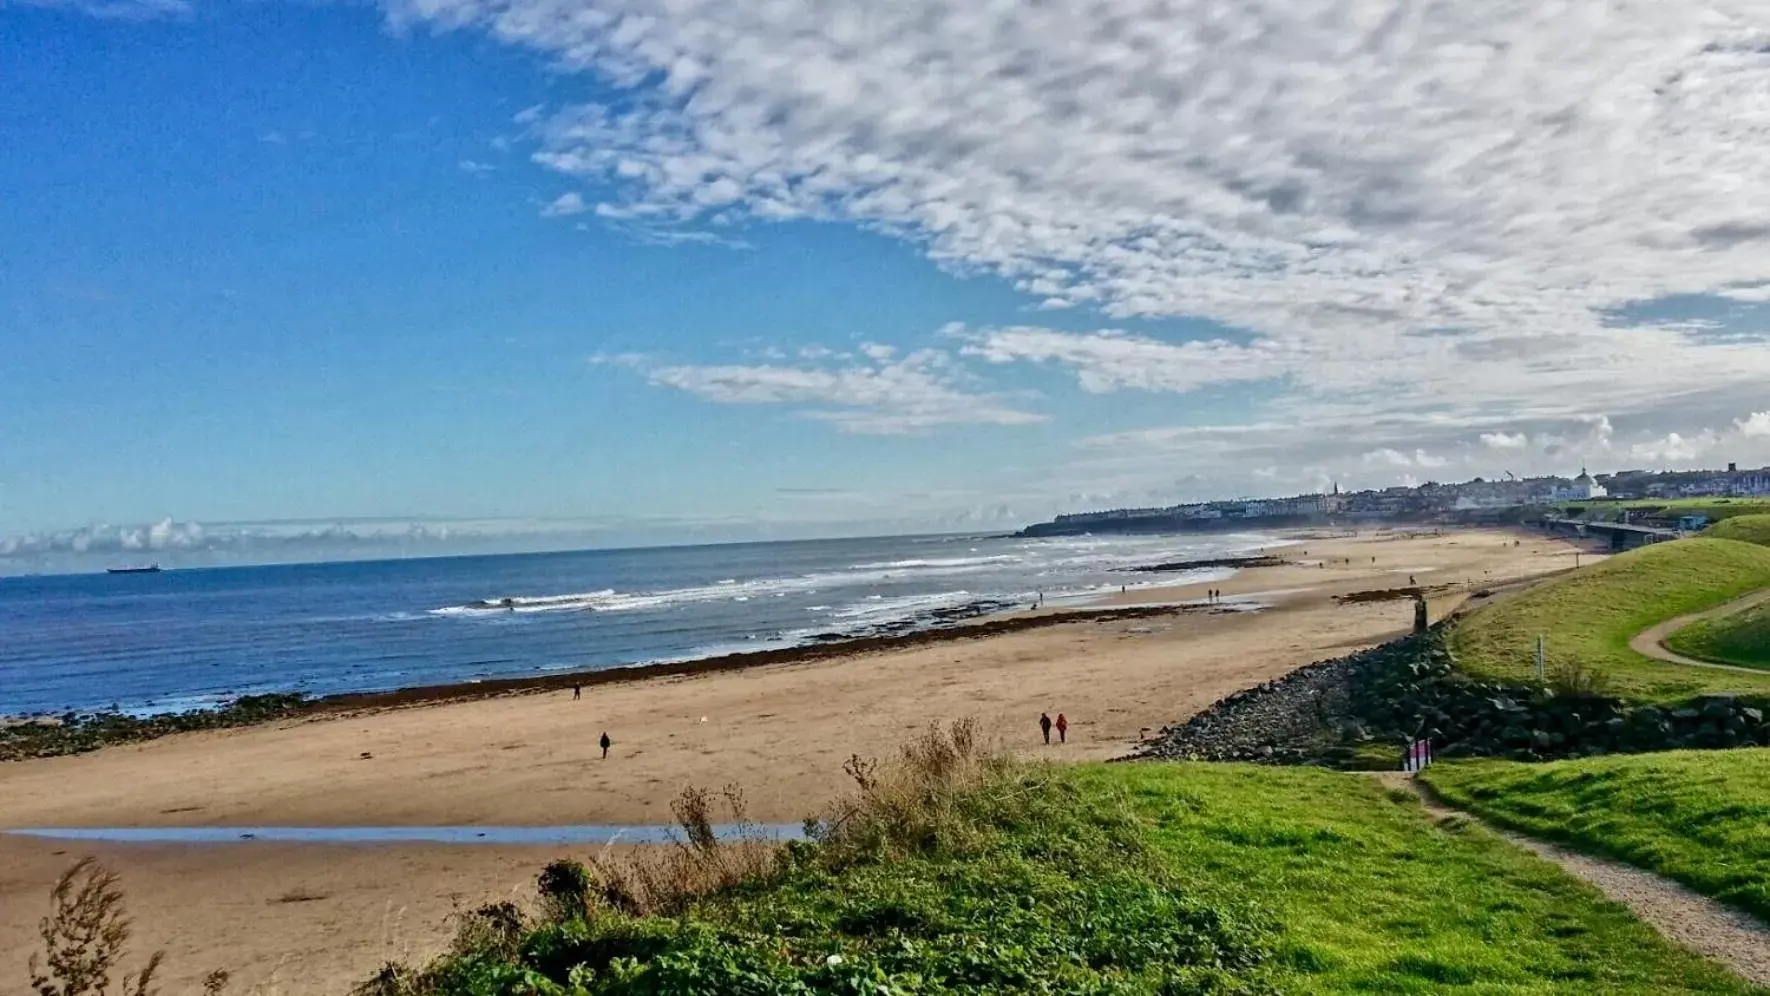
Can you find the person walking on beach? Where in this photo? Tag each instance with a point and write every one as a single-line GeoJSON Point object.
{"type": "Point", "coordinates": [577, 692]}
{"type": "Point", "coordinates": [606, 744]}
{"type": "Point", "coordinates": [1062, 728]}
{"type": "Point", "coordinates": [1045, 727]}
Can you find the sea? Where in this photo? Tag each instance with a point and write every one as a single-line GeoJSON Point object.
{"type": "Point", "coordinates": [196, 638]}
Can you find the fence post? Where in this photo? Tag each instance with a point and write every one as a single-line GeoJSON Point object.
{"type": "Point", "coordinates": [1541, 666]}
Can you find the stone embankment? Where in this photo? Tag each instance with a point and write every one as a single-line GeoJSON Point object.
{"type": "Point", "coordinates": [1359, 710]}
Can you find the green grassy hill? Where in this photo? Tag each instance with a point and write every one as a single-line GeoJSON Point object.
{"type": "Point", "coordinates": [1741, 638]}
{"type": "Point", "coordinates": [1716, 509]}
{"type": "Point", "coordinates": [1590, 615]}
{"type": "Point", "coordinates": [1745, 528]}
{"type": "Point", "coordinates": [1701, 817]}
{"type": "Point", "coordinates": [984, 877]}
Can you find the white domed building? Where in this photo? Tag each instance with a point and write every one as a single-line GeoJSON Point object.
{"type": "Point", "coordinates": [1583, 488]}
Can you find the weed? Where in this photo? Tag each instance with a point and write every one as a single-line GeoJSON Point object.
{"type": "Point", "coordinates": [1573, 679]}
{"type": "Point", "coordinates": [85, 937]}
{"type": "Point", "coordinates": [699, 861]}
{"type": "Point", "coordinates": [564, 886]}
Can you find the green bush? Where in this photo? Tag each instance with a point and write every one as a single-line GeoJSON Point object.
{"type": "Point", "coordinates": [951, 871]}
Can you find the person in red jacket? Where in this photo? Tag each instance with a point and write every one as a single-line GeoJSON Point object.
{"type": "Point", "coordinates": [1062, 728]}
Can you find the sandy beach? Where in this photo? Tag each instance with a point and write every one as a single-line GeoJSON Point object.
{"type": "Point", "coordinates": [779, 731]}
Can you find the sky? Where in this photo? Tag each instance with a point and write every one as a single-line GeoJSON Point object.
{"type": "Point", "coordinates": [282, 278]}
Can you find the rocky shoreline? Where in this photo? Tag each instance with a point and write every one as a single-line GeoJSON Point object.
{"type": "Point", "coordinates": [75, 733]}
{"type": "Point", "coordinates": [1238, 563]}
{"type": "Point", "coordinates": [1359, 711]}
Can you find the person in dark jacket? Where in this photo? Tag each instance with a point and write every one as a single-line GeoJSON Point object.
{"type": "Point", "coordinates": [1045, 726]}
{"type": "Point", "coordinates": [606, 744]}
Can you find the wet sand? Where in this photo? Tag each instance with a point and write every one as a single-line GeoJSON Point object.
{"type": "Point", "coordinates": [781, 731]}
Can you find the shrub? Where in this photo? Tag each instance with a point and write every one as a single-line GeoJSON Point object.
{"type": "Point", "coordinates": [949, 869]}
{"type": "Point", "coordinates": [85, 937]}
{"type": "Point", "coordinates": [564, 886]}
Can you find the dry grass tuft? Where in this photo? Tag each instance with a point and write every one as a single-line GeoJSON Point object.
{"type": "Point", "coordinates": [668, 878]}
{"type": "Point", "coordinates": [85, 937]}
{"type": "Point", "coordinates": [895, 808]}
{"type": "Point", "coordinates": [1574, 679]}
{"type": "Point", "coordinates": [909, 805]}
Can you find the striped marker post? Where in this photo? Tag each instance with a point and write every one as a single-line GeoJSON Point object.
{"type": "Point", "coordinates": [1417, 756]}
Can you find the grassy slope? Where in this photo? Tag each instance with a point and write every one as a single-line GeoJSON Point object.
{"type": "Point", "coordinates": [1715, 508]}
{"type": "Point", "coordinates": [1116, 879]}
{"type": "Point", "coordinates": [1741, 638]}
{"type": "Point", "coordinates": [1370, 896]}
{"type": "Point", "coordinates": [1590, 615]}
{"type": "Point", "coordinates": [1701, 817]}
{"type": "Point", "coordinates": [1745, 528]}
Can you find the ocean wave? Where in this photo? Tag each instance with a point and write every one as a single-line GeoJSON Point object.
{"type": "Point", "coordinates": [1022, 572]}
{"type": "Point", "coordinates": [938, 562]}
{"type": "Point", "coordinates": [887, 608]}
{"type": "Point", "coordinates": [611, 600]}
{"type": "Point", "coordinates": [726, 590]}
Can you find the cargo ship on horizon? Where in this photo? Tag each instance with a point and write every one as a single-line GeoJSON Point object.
{"type": "Point", "coordinates": [141, 569]}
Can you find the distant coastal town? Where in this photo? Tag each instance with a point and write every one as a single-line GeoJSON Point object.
{"type": "Point", "coordinates": [1506, 498]}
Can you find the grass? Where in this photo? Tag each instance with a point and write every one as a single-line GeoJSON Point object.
{"type": "Point", "coordinates": [956, 871]}
{"type": "Point", "coordinates": [1744, 528]}
{"type": "Point", "coordinates": [951, 871]}
{"type": "Point", "coordinates": [1367, 895]}
{"type": "Point", "coordinates": [1590, 615]}
{"type": "Point", "coordinates": [1741, 638]}
{"type": "Point", "coordinates": [1716, 509]}
{"type": "Point", "coordinates": [1700, 817]}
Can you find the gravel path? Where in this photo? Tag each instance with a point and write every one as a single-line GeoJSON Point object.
{"type": "Point", "coordinates": [1652, 642]}
{"type": "Point", "coordinates": [1699, 923]}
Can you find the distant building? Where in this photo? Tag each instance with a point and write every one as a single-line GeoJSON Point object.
{"type": "Point", "coordinates": [1583, 488]}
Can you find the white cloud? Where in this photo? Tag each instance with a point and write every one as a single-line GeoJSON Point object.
{"type": "Point", "coordinates": [1674, 448]}
{"type": "Point", "coordinates": [113, 10]}
{"type": "Point", "coordinates": [475, 167]}
{"type": "Point", "coordinates": [1110, 360]}
{"type": "Point", "coordinates": [875, 396]}
{"type": "Point", "coordinates": [1505, 440]}
{"type": "Point", "coordinates": [1751, 293]}
{"type": "Point", "coordinates": [565, 205]}
{"type": "Point", "coordinates": [1405, 205]}
{"type": "Point", "coordinates": [1395, 458]}
{"type": "Point", "coordinates": [1756, 425]}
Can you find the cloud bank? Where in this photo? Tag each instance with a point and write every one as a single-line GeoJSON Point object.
{"type": "Point", "coordinates": [872, 393]}
{"type": "Point", "coordinates": [1391, 207]}
{"type": "Point", "coordinates": [111, 10]}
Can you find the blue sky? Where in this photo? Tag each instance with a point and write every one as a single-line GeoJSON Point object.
{"type": "Point", "coordinates": [648, 271]}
